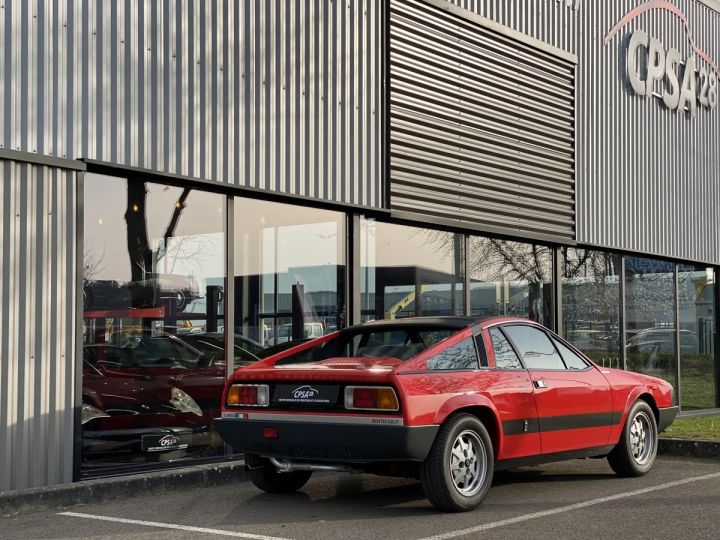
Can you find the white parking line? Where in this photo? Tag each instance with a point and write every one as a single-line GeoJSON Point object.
{"type": "Point", "coordinates": [173, 526]}
{"type": "Point", "coordinates": [568, 508]}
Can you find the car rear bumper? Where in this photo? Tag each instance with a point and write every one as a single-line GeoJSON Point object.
{"type": "Point", "coordinates": [334, 442]}
{"type": "Point", "coordinates": [666, 416]}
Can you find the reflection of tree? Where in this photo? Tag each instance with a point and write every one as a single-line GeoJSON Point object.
{"type": "Point", "coordinates": [459, 356]}
{"type": "Point", "coordinates": [92, 263]}
{"type": "Point", "coordinates": [591, 290]}
{"type": "Point", "coordinates": [143, 261]}
{"type": "Point", "coordinates": [493, 259]}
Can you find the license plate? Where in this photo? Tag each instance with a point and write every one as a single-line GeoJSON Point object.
{"type": "Point", "coordinates": [316, 395]}
{"type": "Point", "coordinates": [163, 443]}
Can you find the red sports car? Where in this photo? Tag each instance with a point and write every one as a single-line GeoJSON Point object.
{"type": "Point", "coordinates": [449, 400]}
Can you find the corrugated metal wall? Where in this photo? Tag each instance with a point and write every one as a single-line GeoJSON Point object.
{"type": "Point", "coordinates": [553, 21]}
{"type": "Point", "coordinates": [37, 314]}
{"type": "Point", "coordinates": [648, 177]}
{"type": "Point", "coordinates": [481, 123]}
{"type": "Point", "coordinates": [284, 96]}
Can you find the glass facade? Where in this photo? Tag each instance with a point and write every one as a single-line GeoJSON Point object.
{"type": "Point", "coordinates": [511, 279]}
{"type": "Point", "coordinates": [289, 272]}
{"type": "Point", "coordinates": [153, 356]}
{"type": "Point", "coordinates": [409, 271]}
{"type": "Point", "coordinates": [155, 285]}
{"type": "Point", "coordinates": [650, 318]}
{"type": "Point", "coordinates": [591, 304]}
{"type": "Point", "coordinates": [698, 387]}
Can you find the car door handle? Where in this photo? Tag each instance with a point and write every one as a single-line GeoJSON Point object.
{"type": "Point", "coordinates": [540, 384]}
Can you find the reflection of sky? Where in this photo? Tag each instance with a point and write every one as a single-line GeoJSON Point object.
{"type": "Point", "coordinates": [385, 244]}
{"type": "Point", "coordinates": [106, 230]}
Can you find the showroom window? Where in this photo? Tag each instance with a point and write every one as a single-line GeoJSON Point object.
{"type": "Point", "coordinates": [698, 384]}
{"type": "Point", "coordinates": [510, 279]}
{"type": "Point", "coordinates": [409, 271]}
{"type": "Point", "coordinates": [153, 282]}
{"type": "Point", "coordinates": [591, 304]}
{"type": "Point", "coordinates": [289, 272]}
{"type": "Point", "coordinates": [650, 317]}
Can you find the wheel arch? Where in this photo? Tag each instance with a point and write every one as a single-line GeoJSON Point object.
{"type": "Point", "coordinates": [650, 400]}
{"type": "Point", "coordinates": [482, 409]}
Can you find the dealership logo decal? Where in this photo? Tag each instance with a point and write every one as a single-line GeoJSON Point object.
{"type": "Point", "coordinates": [304, 392]}
{"type": "Point", "coordinates": [684, 84]}
{"type": "Point", "coordinates": [168, 440]}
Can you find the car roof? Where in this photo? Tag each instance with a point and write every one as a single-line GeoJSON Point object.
{"type": "Point", "coordinates": [445, 322]}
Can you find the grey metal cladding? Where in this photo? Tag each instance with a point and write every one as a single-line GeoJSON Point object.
{"type": "Point", "coordinates": [482, 124]}
{"type": "Point", "coordinates": [283, 96]}
{"type": "Point", "coordinates": [37, 324]}
{"type": "Point", "coordinates": [648, 177]}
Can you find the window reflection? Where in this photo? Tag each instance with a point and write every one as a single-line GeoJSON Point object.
{"type": "Point", "coordinates": [510, 279]}
{"type": "Point", "coordinates": [289, 272]}
{"type": "Point", "coordinates": [650, 312]}
{"type": "Point", "coordinates": [409, 271]}
{"type": "Point", "coordinates": [153, 283]}
{"type": "Point", "coordinates": [591, 304]}
{"type": "Point", "coordinates": [697, 337]}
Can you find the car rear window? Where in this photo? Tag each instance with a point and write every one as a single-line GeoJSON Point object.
{"type": "Point", "coordinates": [400, 343]}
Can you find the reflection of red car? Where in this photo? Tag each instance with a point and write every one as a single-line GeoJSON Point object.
{"type": "Point", "coordinates": [153, 398]}
{"type": "Point", "coordinates": [447, 399]}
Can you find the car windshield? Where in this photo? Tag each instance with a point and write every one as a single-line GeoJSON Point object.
{"type": "Point", "coordinates": [400, 343]}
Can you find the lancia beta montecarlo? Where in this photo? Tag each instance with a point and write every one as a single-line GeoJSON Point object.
{"type": "Point", "coordinates": [449, 400]}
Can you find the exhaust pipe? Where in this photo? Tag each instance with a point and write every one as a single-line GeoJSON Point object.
{"type": "Point", "coordinates": [284, 466]}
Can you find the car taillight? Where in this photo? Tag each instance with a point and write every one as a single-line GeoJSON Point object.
{"type": "Point", "coordinates": [371, 398]}
{"type": "Point", "coordinates": [248, 395]}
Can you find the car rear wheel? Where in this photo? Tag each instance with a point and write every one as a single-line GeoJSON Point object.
{"type": "Point", "coordinates": [635, 454]}
{"type": "Point", "coordinates": [266, 476]}
{"type": "Point", "coordinates": [458, 471]}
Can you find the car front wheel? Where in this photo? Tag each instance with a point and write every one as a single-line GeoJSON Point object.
{"type": "Point", "coordinates": [266, 476]}
{"type": "Point", "coordinates": [635, 453]}
{"type": "Point", "coordinates": [458, 471]}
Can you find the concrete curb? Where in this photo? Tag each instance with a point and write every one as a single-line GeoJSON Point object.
{"type": "Point", "coordinates": [118, 487]}
{"type": "Point", "coordinates": [689, 448]}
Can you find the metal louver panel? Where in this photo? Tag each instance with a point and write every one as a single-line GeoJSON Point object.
{"type": "Point", "coordinates": [481, 122]}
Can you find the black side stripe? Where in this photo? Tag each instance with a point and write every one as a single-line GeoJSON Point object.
{"type": "Point", "coordinates": [561, 423]}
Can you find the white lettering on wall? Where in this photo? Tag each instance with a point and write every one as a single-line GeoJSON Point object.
{"type": "Point", "coordinates": [683, 86]}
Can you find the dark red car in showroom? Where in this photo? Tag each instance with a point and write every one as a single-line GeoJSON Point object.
{"type": "Point", "coordinates": [449, 400]}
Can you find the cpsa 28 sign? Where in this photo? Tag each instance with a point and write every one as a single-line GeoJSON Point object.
{"type": "Point", "coordinates": [684, 87]}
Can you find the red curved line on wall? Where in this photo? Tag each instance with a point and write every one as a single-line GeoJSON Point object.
{"type": "Point", "coordinates": [671, 8]}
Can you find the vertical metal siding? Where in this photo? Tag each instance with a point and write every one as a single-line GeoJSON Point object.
{"type": "Point", "coordinates": [37, 314]}
{"type": "Point", "coordinates": [481, 124]}
{"type": "Point", "coordinates": [648, 178]}
{"type": "Point", "coordinates": [551, 21]}
{"type": "Point", "coordinates": [283, 96]}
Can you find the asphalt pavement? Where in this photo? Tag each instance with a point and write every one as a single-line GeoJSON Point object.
{"type": "Point", "coordinates": [680, 498]}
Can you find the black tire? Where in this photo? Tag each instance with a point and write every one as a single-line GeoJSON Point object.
{"type": "Point", "coordinates": [266, 476]}
{"type": "Point", "coordinates": [438, 482]}
{"type": "Point", "coordinates": [635, 453]}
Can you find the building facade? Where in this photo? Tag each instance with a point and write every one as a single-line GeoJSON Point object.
{"type": "Point", "coordinates": [184, 179]}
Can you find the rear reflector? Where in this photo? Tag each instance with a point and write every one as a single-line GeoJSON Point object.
{"type": "Point", "coordinates": [270, 433]}
{"type": "Point", "coordinates": [248, 395]}
{"type": "Point", "coordinates": [371, 398]}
